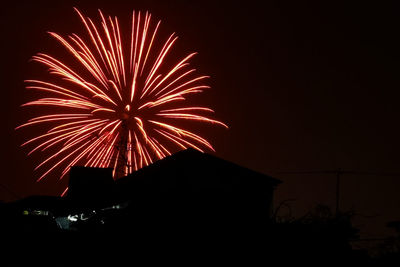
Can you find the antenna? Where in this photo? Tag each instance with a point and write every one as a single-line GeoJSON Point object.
{"type": "Point", "coordinates": [122, 162]}
{"type": "Point", "coordinates": [124, 147]}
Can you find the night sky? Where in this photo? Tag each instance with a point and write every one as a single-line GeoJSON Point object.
{"type": "Point", "coordinates": [304, 86]}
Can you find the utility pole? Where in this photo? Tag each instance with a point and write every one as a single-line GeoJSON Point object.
{"type": "Point", "coordinates": [338, 173]}
{"type": "Point", "coordinates": [337, 191]}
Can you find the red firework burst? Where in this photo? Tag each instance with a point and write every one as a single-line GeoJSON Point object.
{"type": "Point", "coordinates": [120, 110]}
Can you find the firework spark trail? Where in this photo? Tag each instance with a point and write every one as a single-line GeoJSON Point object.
{"type": "Point", "coordinates": [116, 109]}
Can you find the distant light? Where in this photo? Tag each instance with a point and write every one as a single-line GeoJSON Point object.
{"type": "Point", "coordinates": [87, 216]}
{"type": "Point", "coordinates": [36, 212]}
{"type": "Point", "coordinates": [73, 218]}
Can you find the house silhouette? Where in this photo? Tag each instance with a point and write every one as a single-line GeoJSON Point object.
{"type": "Point", "coordinates": [190, 207]}
{"type": "Point", "coordinates": [188, 186]}
{"type": "Point", "coordinates": [195, 184]}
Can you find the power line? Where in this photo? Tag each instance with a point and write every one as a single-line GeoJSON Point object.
{"type": "Point", "coordinates": [339, 172]}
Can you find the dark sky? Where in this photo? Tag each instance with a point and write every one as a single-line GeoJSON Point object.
{"type": "Point", "coordinates": [303, 85]}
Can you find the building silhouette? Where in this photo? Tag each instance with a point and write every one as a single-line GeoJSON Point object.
{"type": "Point", "coordinates": [189, 208]}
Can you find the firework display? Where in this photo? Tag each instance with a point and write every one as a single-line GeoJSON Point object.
{"type": "Point", "coordinates": [120, 104]}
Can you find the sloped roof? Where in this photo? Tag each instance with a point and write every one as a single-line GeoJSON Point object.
{"type": "Point", "coordinates": [192, 168]}
{"type": "Point", "coordinates": [187, 172]}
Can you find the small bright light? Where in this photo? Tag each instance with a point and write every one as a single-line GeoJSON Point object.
{"type": "Point", "coordinates": [73, 218]}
